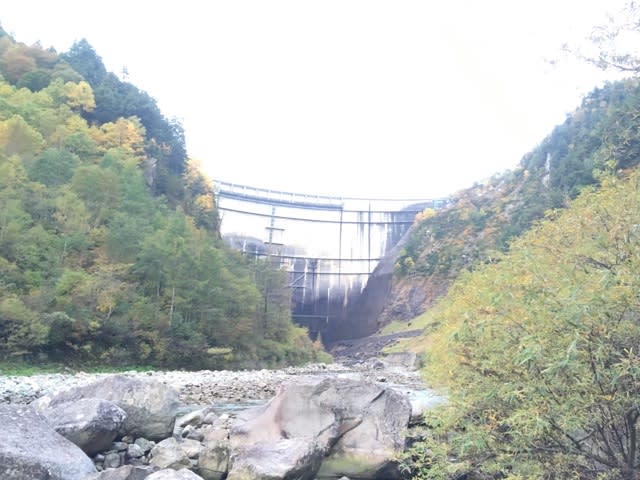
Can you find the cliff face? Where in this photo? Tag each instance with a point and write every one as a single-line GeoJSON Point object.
{"type": "Point", "coordinates": [411, 296]}
{"type": "Point", "coordinates": [601, 134]}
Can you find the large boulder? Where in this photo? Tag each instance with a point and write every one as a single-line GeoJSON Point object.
{"type": "Point", "coordinates": [31, 450]}
{"type": "Point", "coordinates": [90, 423]}
{"type": "Point", "coordinates": [362, 423]}
{"type": "Point", "coordinates": [369, 450]}
{"type": "Point", "coordinates": [151, 406]}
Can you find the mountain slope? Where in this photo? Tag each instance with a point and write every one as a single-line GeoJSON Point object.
{"type": "Point", "coordinates": [109, 245]}
{"type": "Point", "coordinates": [536, 349]}
{"type": "Point", "coordinates": [600, 135]}
{"type": "Point", "coordinates": [534, 341]}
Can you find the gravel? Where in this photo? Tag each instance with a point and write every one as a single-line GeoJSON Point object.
{"type": "Point", "coordinates": [209, 387]}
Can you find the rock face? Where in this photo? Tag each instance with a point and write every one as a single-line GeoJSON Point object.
{"type": "Point", "coordinates": [360, 425]}
{"type": "Point", "coordinates": [90, 423]}
{"type": "Point", "coordinates": [151, 406]}
{"type": "Point", "coordinates": [367, 450]}
{"type": "Point", "coordinates": [31, 450]}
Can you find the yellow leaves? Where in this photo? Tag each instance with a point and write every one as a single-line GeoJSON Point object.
{"type": "Point", "coordinates": [12, 174]}
{"type": "Point", "coordinates": [5, 89]}
{"type": "Point", "coordinates": [106, 302]}
{"type": "Point", "coordinates": [124, 133]}
{"type": "Point", "coordinates": [17, 137]}
{"type": "Point", "coordinates": [76, 123]}
{"type": "Point", "coordinates": [71, 213]}
{"type": "Point", "coordinates": [79, 96]}
{"type": "Point", "coordinates": [205, 202]}
{"type": "Point", "coordinates": [425, 214]}
{"type": "Point", "coordinates": [549, 330]}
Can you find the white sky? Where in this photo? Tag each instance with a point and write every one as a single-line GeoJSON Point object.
{"type": "Point", "coordinates": [403, 99]}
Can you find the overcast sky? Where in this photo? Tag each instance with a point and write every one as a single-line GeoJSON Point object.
{"type": "Point", "coordinates": [403, 99]}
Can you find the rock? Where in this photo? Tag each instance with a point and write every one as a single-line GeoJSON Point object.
{"type": "Point", "coordinates": [191, 448]}
{"type": "Point", "coordinates": [144, 444]}
{"type": "Point", "coordinates": [210, 418]}
{"type": "Point", "coordinates": [135, 451]}
{"type": "Point", "coordinates": [213, 461]}
{"type": "Point", "coordinates": [112, 460]}
{"type": "Point", "coordinates": [151, 406]}
{"type": "Point", "coordinates": [286, 458]}
{"type": "Point", "coordinates": [405, 360]}
{"type": "Point", "coordinates": [194, 419]}
{"type": "Point", "coordinates": [126, 472]}
{"type": "Point", "coordinates": [377, 364]}
{"type": "Point", "coordinates": [174, 475]}
{"type": "Point", "coordinates": [119, 446]}
{"type": "Point", "coordinates": [169, 454]}
{"type": "Point", "coordinates": [31, 450]}
{"type": "Point", "coordinates": [192, 433]}
{"type": "Point", "coordinates": [90, 423]}
{"type": "Point", "coordinates": [369, 450]}
{"type": "Point", "coordinates": [215, 436]}
{"type": "Point", "coordinates": [359, 424]}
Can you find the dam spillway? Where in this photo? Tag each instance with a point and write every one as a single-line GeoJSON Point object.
{"type": "Point", "coordinates": [331, 246]}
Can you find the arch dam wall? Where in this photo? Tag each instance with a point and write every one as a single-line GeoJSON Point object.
{"type": "Point", "coordinates": [339, 251]}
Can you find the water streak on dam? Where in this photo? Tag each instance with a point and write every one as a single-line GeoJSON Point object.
{"type": "Point", "coordinates": [330, 246]}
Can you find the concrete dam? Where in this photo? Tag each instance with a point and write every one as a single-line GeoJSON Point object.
{"type": "Point", "coordinates": [339, 251]}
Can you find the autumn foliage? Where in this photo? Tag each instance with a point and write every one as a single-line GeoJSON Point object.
{"type": "Point", "coordinates": [110, 252]}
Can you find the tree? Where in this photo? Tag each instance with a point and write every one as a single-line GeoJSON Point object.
{"type": "Point", "coordinates": [93, 268]}
{"type": "Point", "coordinates": [609, 45]}
{"type": "Point", "coordinates": [20, 330]}
{"type": "Point", "coordinates": [16, 62]}
{"type": "Point", "coordinates": [53, 167]}
{"type": "Point", "coordinates": [199, 198]}
{"type": "Point", "coordinates": [127, 134]}
{"type": "Point", "coordinates": [84, 59]}
{"type": "Point", "coordinates": [539, 351]}
{"type": "Point", "coordinates": [72, 220]}
{"type": "Point", "coordinates": [99, 190]}
{"type": "Point", "coordinates": [35, 80]}
{"type": "Point", "coordinates": [80, 96]}
{"type": "Point", "coordinates": [14, 220]}
{"type": "Point", "coordinates": [18, 137]}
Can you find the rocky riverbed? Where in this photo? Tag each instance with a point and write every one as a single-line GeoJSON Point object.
{"type": "Point", "coordinates": [214, 387]}
{"type": "Point", "coordinates": [324, 421]}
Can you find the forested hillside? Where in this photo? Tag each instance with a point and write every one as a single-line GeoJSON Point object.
{"type": "Point", "coordinates": [602, 134]}
{"type": "Point", "coordinates": [109, 244]}
{"type": "Point", "coordinates": [535, 343]}
{"type": "Point", "coordinates": [537, 350]}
